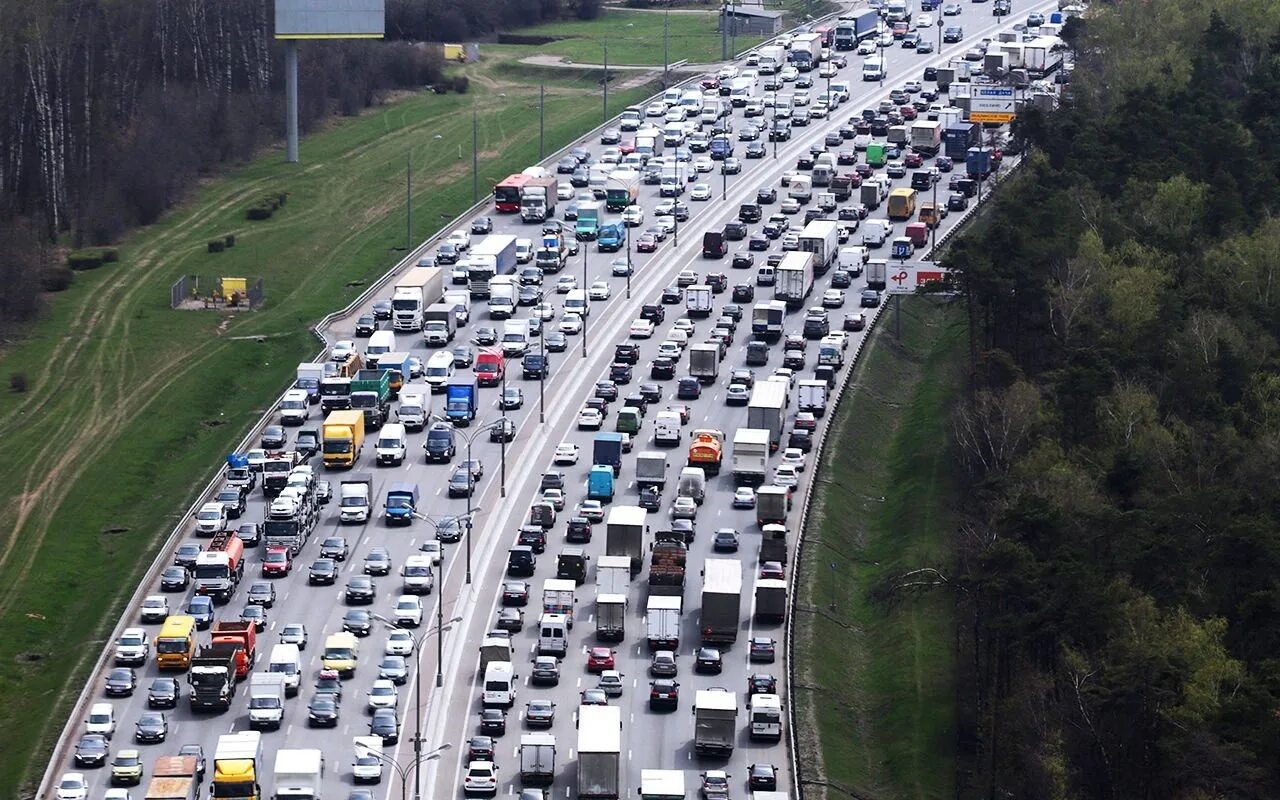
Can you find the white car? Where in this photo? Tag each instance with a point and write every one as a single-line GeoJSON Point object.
{"type": "Point", "coordinates": [684, 324]}
{"type": "Point", "coordinates": [789, 206]}
{"type": "Point", "coordinates": [433, 549]}
{"type": "Point", "coordinates": [524, 251]}
{"type": "Point", "coordinates": [667, 225]}
{"type": "Point", "coordinates": [633, 216]}
{"type": "Point", "coordinates": [590, 419]}
{"type": "Point", "coordinates": [367, 766]}
{"type": "Point", "coordinates": [678, 336]}
{"type": "Point", "coordinates": [789, 74]}
{"type": "Point", "coordinates": [833, 298]}
{"type": "Point", "coordinates": [481, 778]}
{"type": "Point", "coordinates": [72, 786]}
{"type": "Point", "coordinates": [566, 453]}
{"type": "Point", "coordinates": [700, 191]}
{"type": "Point", "coordinates": [838, 339]}
{"type": "Point", "coordinates": [788, 175]}
{"type": "Point", "coordinates": [383, 694]}
{"type": "Point", "coordinates": [684, 508]}
{"type": "Point", "coordinates": [570, 324]}
{"type": "Point", "coordinates": [460, 239]}
{"type": "Point", "coordinates": [861, 140]}
{"type": "Point", "coordinates": [819, 111]}
{"type": "Point", "coordinates": [593, 510]}
{"type": "Point", "coordinates": [795, 457]}
{"type": "Point", "coordinates": [640, 329]}
{"type": "Point", "coordinates": [676, 114]}
{"type": "Point", "coordinates": [790, 241]}
{"type": "Point", "coordinates": [655, 110]}
{"type": "Point", "coordinates": [599, 291]}
{"type": "Point", "coordinates": [703, 164]}
{"type": "Point", "coordinates": [744, 497]}
{"type": "Point", "coordinates": [408, 611]}
{"type": "Point", "coordinates": [886, 39]}
{"type": "Point", "coordinates": [133, 647]}
{"type": "Point", "coordinates": [155, 608]}
{"type": "Point", "coordinates": [924, 21]}
{"type": "Point", "coordinates": [866, 47]}
{"type": "Point", "coordinates": [786, 475]}
{"type": "Point", "coordinates": [544, 311]}
{"type": "Point", "coordinates": [801, 98]}
{"type": "Point", "coordinates": [399, 643]}
{"type": "Point", "coordinates": [566, 284]}
{"type": "Point", "coordinates": [912, 87]}
{"type": "Point", "coordinates": [343, 349]}
{"type": "Point", "coordinates": [670, 349]}
{"type": "Point", "coordinates": [564, 191]}
{"type": "Point", "coordinates": [785, 374]}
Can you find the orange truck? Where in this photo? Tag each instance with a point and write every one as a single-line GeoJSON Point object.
{"type": "Point", "coordinates": [243, 636]}
{"type": "Point", "coordinates": [220, 567]}
{"type": "Point", "coordinates": [706, 449]}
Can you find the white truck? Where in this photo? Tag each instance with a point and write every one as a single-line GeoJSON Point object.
{"type": "Point", "coordinates": [698, 301]}
{"type": "Point", "coordinates": [515, 338]}
{"type": "Point", "coordinates": [822, 238]}
{"type": "Point", "coordinates": [662, 621]}
{"type": "Point", "coordinates": [715, 722]}
{"type": "Point", "coordinates": [926, 136]}
{"type": "Point", "coordinates": [704, 361]}
{"type": "Point", "coordinates": [613, 575]}
{"type": "Point", "coordinates": [772, 59]}
{"type": "Point", "coordinates": [439, 325]}
{"type": "Point", "coordinates": [537, 759]}
{"type": "Point", "coordinates": [599, 751]}
{"type": "Point", "coordinates": [625, 533]}
{"type": "Point", "coordinates": [298, 774]}
{"type": "Point", "coordinates": [355, 498]}
{"type": "Point", "coordinates": [750, 456]}
{"type": "Point", "coordinates": [767, 409]}
{"type": "Point", "coordinates": [611, 616]}
{"type": "Point", "coordinates": [742, 90]}
{"type": "Point", "coordinates": [673, 180]}
{"type": "Point", "coordinates": [793, 281]}
{"type": "Point", "coordinates": [502, 296]}
{"type": "Point", "coordinates": [413, 293]}
{"type": "Point", "coordinates": [266, 700]}
{"type": "Point", "coordinates": [813, 397]}
{"type": "Point", "coordinates": [665, 784]}
{"type": "Point", "coordinates": [413, 410]}
{"type": "Point", "coordinates": [559, 597]}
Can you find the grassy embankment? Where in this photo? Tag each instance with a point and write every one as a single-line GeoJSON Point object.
{"type": "Point", "coordinates": [877, 678]}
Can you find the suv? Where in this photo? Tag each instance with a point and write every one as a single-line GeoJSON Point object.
{"type": "Point", "coordinates": [749, 212]}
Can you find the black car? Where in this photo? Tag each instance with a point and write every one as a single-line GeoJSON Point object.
{"type": "Point", "coordinates": [174, 579]}
{"type": "Point", "coordinates": [664, 694]}
{"type": "Point", "coordinates": [762, 778]}
{"type": "Point", "coordinates": [579, 530]}
{"type": "Point", "coordinates": [672, 295]}
{"type": "Point", "coordinates": [744, 293]}
{"type": "Point", "coordinates": [382, 310]}
{"type": "Point", "coordinates": [185, 555]}
{"type": "Point", "coordinates": [756, 149]}
{"type": "Point", "coordinates": [555, 342]}
{"type": "Point", "coordinates": [515, 593]}
{"type": "Point", "coordinates": [385, 725]}
{"type": "Point", "coordinates": [274, 437]}
{"type": "Point", "coordinates": [164, 693]}
{"type": "Point", "coordinates": [650, 393]}
{"type": "Point", "coordinates": [870, 298]}
{"type": "Point", "coordinates": [688, 389]}
{"type": "Point", "coordinates": [533, 537]}
{"type": "Point", "coordinates": [758, 241]}
{"type": "Point", "coordinates": [749, 212]}
{"type": "Point", "coordinates": [322, 712]}
{"type": "Point", "coordinates": [485, 336]}
{"type": "Point", "coordinates": [801, 439]}
{"type": "Point", "coordinates": [323, 571]}
{"type": "Point", "coordinates": [493, 721]}
{"type": "Point", "coordinates": [735, 231]}
{"type": "Point", "coordinates": [536, 366]}
{"type": "Point", "coordinates": [654, 313]}
{"type": "Point", "coordinates": [151, 727]}
{"type": "Point", "coordinates": [510, 620]}
{"type": "Point", "coordinates": [841, 279]}
{"type": "Point", "coordinates": [121, 681]}
{"type": "Point", "coordinates": [528, 295]}
{"type": "Point", "coordinates": [620, 373]}
{"type": "Point", "coordinates": [334, 547]}
{"type": "Point", "coordinates": [357, 621]}
{"type": "Point", "coordinates": [91, 750]}
{"type": "Point", "coordinates": [366, 325]}
{"type": "Point", "coordinates": [626, 352]}
{"type": "Point", "coordinates": [566, 165]}
{"type": "Point", "coordinates": [743, 260]}
{"type": "Point", "coordinates": [461, 483]}
{"type": "Point", "coordinates": [709, 661]}
{"type": "Point", "coordinates": [480, 748]}
{"type": "Point", "coordinates": [662, 368]}
{"type": "Point", "coordinates": [482, 226]}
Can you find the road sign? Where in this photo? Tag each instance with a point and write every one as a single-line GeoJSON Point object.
{"type": "Point", "coordinates": [907, 278]}
{"type": "Point", "coordinates": [986, 116]}
{"type": "Point", "coordinates": [992, 104]}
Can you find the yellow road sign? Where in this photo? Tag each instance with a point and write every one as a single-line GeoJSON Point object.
{"type": "Point", "coordinates": [987, 116]}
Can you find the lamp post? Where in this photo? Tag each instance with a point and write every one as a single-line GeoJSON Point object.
{"type": "Point", "coordinates": [585, 247]}
{"type": "Point", "coordinates": [402, 770]}
{"type": "Point", "coordinates": [502, 407]}
{"type": "Point", "coordinates": [441, 625]}
{"type": "Point", "coordinates": [626, 232]}
{"type": "Point", "coordinates": [471, 482]}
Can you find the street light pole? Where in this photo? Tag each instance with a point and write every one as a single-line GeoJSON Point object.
{"type": "Point", "coordinates": [585, 248]}
{"type": "Point", "coordinates": [542, 373]}
{"type": "Point", "coordinates": [605, 118]}
{"type": "Point", "coordinates": [542, 133]}
{"type": "Point", "coordinates": [475, 155]}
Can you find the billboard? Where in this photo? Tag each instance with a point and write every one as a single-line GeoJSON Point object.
{"type": "Point", "coordinates": [330, 19]}
{"type": "Point", "coordinates": [907, 278]}
{"type": "Point", "coordinates": [991, 104]}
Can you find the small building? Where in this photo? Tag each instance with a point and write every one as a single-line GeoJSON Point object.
{"type": "Point", "coordinates": [749, 20]}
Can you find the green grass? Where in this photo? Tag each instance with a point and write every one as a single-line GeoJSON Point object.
{"type": "Point", "coordinates": [877, 677]}
{"type": "Point", "coordinates": [635, 37]}
{"type": "Point", "coordinates": [130, 406]}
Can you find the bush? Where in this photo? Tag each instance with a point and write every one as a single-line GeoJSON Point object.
{"type": "Point", "coordinates": [56, 279]}
{"type": "Point", "coordinates": [229, 240]}
{"type": "Point", "coordinates": [110, 255]}
{"type": "Point", "coordinates": [17, 382]}
{"type": "Point", "coordinates": [266, 206]}
{"type": "Point", "coordinates": [81, 260]}
{"type": "Point", "coordinates": [460, 83]}
{"type": "Point", "coordinates": [216, 246]}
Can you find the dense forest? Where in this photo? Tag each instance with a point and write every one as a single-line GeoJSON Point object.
{"type": "Point", "coordinates": [1119, 557]}
{"type": "Point", "coordinates": [114, 109]}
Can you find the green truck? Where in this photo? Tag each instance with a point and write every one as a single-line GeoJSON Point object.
{"type": "Point", "coordinates": [589, 219]}
{"type": "Point", "coordinates": [875, 154]}
{"type": "Point", "coordinates": [371, 394]}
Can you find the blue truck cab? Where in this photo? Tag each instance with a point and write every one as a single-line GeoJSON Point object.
{"type": "Point", "coordinates": [460, 400]}
{"type": "Point", "coordinates": [402, 502]}
{"type": "Point", "coordinates": [600, 483]}
{"type": "Point", "coordinates": [607, 451]}
{"type": "Point", "coordinates": [610, 238]}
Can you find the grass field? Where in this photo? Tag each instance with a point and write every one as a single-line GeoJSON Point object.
{"type": "Point", "coordinates": [636, 37]}
{"type": "Point", "coordinates": [130, 406]}
{"type": "Point", "coordinates": [876, 678]}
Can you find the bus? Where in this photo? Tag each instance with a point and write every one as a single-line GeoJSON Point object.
{"type": "Point", "coordinates": [506, 195]}
{"type": "Point", "coordinates": [902, 204]}
{"type": "Point", "coordinates": [176, 643]}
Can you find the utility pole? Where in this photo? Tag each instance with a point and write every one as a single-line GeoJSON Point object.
{"type": "Point", "coordinates": [666, 58]}
{"type": "Point", "coordinates": [542, 108]}
{"type": "Point", "coordinates": [475, 157]}
{"type": "Point", "coordinates": [724, 32]}
{"type": "Point", "coordinates": [606, 82]}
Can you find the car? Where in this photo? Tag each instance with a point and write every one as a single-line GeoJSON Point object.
{"type": "Point", "coordinates": [833, 298]}
{"type": "Point", "coordinates": [870, 298]}
{"type": "Point", "coordinates": [761, 649]}
{"type": "Point", "coordinates": [274, 437]}
{"type": "Point", "coordinates": [481, 777]}
{"type": "Point", "coordinates": [590, 419]}
{"type": "Point", "coordinates": [366, 325]}
{"type": "Point", "coordinates": [786, 475]}
{"type": "Point", "coordinates": [715, 785]}
{"type": "Point", "coordinates": [923, 46]}
{"type": "Point", "coordinates": [399, 643]}
{"type": "Point", "coordinates": [772, 570]}
{"type": "Point", "coordinates": [322, 711]}
{"type": "Point", "coordinates": [730, 166]}
{"type": "Point", "coordinates": [570, 324]}
{"type": "Point", "coordinates": [539, 713]}
{"type": "Point", "coordinates": [255, 613]}
{"type": "Point", "coordinates": [360, 589]}
{"type": "Point", "coordinates": [72, 786]}
{"type": "Point", "coordinates": [408, 611]}
{"type": "Point", "coordinates": [394, 669]}
{"type": "Point", "coordinates": [795, 457]}
{"type": "Point", "coordinates": [515, 593]}
{"type": "Point", "coordinates": [591, 511]}
{"type": "Point", "coordinates": [610, 683]}
{"type": "Point", "coordinates": [358, 621]}
{"type": "Point", "coordinates": [594, 697]}
{"type": "Point", "coordinates": [700, 191]}
{"type": "Point", "coordinates": [480, 748]}
{"type": "Point", "coordinates": [91, 750]}
{"type": "Point", "coordinates": [600, 659]}
{"type": "Point", "coordinates": [276, 563]}
{"type": "Point", "coordinates": [151, 728]}
{"type": "Point", "coordinates": [164, 692]}
{"type": "Point", "coordinates": [566, 453]}
{"type": "Point", "coordinates": [175, 579]}
{"type": "Point", "coordinates": [201, 608]}
{"type": "Point", "coordinates": [640, 329]}
{"type": "Point", "coordinates": [294, 633]}
{"type": "Point", "coordinates": [646, 243]}
{"type": "Point", "coordinates": [546, 671]}
{"type": "Point", "coordinates": [758, 241]}
{"type": "Point", "coordinates": [493, 721]}
{"type": "Point", "coordinates": [186, 553]}
{"type": "Point", "coordinates": [323, 571]}
{"type": "Point", "coordinates": [762, 778]}
{"type": "Point", "coordinates": [334, 547]}
{"type": "Point", "coordinates": [385, 725]}
{"type": "Point", "coordinates": [383, 694]}
{"type": "Point", "coordinates": [952, 10]}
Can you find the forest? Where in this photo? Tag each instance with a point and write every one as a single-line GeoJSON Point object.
{"type": "Point", "coordinates": [1118, 561]}
{"type": "Point", "coordinates": [114, 109]}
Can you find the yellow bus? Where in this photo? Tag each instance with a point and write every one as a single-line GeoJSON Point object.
{"type": "Point", "coordinates": [341, 651]}
{"type": "Point", "coordinates": [902, 204]}
{"type": "Point", "coordinates": [176, 643]}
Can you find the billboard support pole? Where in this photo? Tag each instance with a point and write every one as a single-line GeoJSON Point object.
{"type": "Point", "coordinates": [291, 101]}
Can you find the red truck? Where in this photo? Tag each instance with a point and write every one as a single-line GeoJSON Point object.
{"type": "Point", "coordinates": [243, 636]}
{"type": "Point", "coordinates": [489, 368]}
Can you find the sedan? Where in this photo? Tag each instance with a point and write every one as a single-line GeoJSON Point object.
{"type": "Point", "coordinates": [511, 399]}
{"type": "Point", "coordinates": [515, 593]}
{"type": "Point", "coordinates": [121, 681]}
{"type": "Point", "coordinates": [91, 750]}
{"type": "Point", "coordinates": [360, 589]}
{"type": "Point", "coordinates": [322, 711]}
{"type": "Point", "coordinates": [174, 579]}
{"type": "Point", "coordinates": [633, 216]}
{"type": "Point", "coordinates": [540, 713]}
{"type": "Point", "coordinates": [493, 721]}
{"type": "Point", "coordinates": [366, 325]}
{"type": "Point", "coordinates": [566, 453]}
{"type": "Point", "coordinates": [726, 539]}
{"type": "Point", "coordinates": [385, 725]}
{"type": "Point", "coordinates": [255, 614]}
{"type": "Point", "coordinates": [322, 571]}
{"type": "Point", "coordinates": [600, 659]}
{"type": "Point", "coordinates": [599, 290]}
{"type": "Point", "coordinates": [761, 649]}
{"type": "Point", "coordinates": [546, 671]}
{"type": "Point", "coordinates": [730, 166]}
{"type": "Point", "coordinates": [152, 727]}
{"type": "Point", "coordinates": [383, 694]}
{"type": "Point", "coordinates": [274, 437]}
{"type": "Point", "coordinates": [833, 298]}
{"type": "Point", "coordinates": [643, 329]}
{"type": "Point", "coordinates": [358, 621]}
{"type": "Point", "coordinates": [664, 694]}
{"type": "Point", "coordinates": [700, 191]}
{"type": "Point", "coordinates": [870, 298]}
{"type": "Point", "coordinates": [164, 693]}
{"type": "Point", "coordinates": [762, 778]}
{"type": "Point", "coordinates": [708, 661]}
{"type": "Point", "coordinates": [646, 243]}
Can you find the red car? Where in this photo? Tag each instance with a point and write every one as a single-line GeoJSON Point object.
{"type": "Point", "coordinates": [627, 147]}
{"type": "Point", "coordinates": [710, 83]}
{"type": "Point", "coordinates": [913, 160]}
{"type": "Point", "coordinates": [846, 158]}
{"type": "Point", "coordinates": [647, 243]}
{"type": "Point", "coordinates": [599, 659]}
{"type": "Point", "coordinates": [908, 112]}
{"type": "Point", "coordinates": [772, 569]}
{"type": "Point", "coordinates": [276, 563]}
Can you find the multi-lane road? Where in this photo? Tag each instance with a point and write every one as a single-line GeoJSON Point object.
{"type": "Point", "coordinates": [661, 740]}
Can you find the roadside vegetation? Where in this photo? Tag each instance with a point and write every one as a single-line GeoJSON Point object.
{"type": "Point", "coordinates": [874, 682]}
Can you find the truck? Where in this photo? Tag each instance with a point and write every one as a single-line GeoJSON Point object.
{"type": "Point", "coordinates": [651, 469]}
{"type": "Point", "coordinates": [239, 636]}
{"type": "Point", "coordinates": [552, 255]}
{"type": "Point", "coordinates": [715, 722]}
{"type": "Point", "coordinates": [413, 293]}
{"type": "Point", "coordinates": [611, 617]}
{"type": "Point", "coordinates": [335, 393]}
{"type": "Point", "coordinates": [959, 138]}
{"type": "Point", "coordinates": [771, 600]}
{"type": "Point", "coordinates": [494, 649]}
{"type": "Point", "coordinates": [494, 255]}
{"type": "Point", "coordinates": [813, 397]}
{"type": "Point", "coordinates": [266, 700]}
{"type": "Point", "coordinates": [298, 774]}
{"type": "Point", "coordinates": [220, 567]}
{"type": "Point", "coordinates": [721, 600]}
{"type": "Point", "coordinates": [1042, 56]}
{"type": "Point", "coordinates": [704, 361]}
{"type": "Point", "coordinates": [503, 290]}
{"type": "Point", "coordinates": [515, 339]}
{"type": "Point", "coordinates": [773, 543]}
{"type": "Point", "coordinates": [625, 533]}
{"type": "Point", "coordinates": [460, 399]}
{"type": "Point", "coordinates": [606, 450]}
{"type": "Point", "coordinates": [176, 788]}
{"type": "Point", "coordinates": [440, 322]}
{"type": "Point", "coordinates": [309, 375]}
{"type": "Point", "coordinates": [275, 470]}
{"type": "Point", "coordinates": [290, 519]}
{"type": "Point", "coordinates": [342, 437]}
{"type": "Point", "coordinates": [212, 678]}
{"type": "Point", "coordinates": [649, 145]}
{"type": "Point", "coordinates": [599, 751]}
{"type": "Point", "coordinates": [590, 216]}
{"type": "Point", "coordinates": [706, 450]}
{"type": "Point", "coordinates": [926, 137]}
{"type": "Point", "coordinates": [398, 365]}
{"type": "Point", "coordinates": [806, 48]}
{"type": "Point", "coordinates": [662, 620]}
{"type": "Point", "coordinates": [623, 189]}
{"type": "Point", "coordinates": [876, 274]}
{"type": "Point", "coordinates": [853, 29]}
{"type": "Point", "coordinates": [772, 505]}
{"type": "Point", "coordinates": [610, 238]}
{"type": "Point", "coordinates": [742, 90]}
{"type": "Point", "coordinates": [401, 503]}
{"type": "Point", "coordinates": [772, 59]}
{"type": "Point", "coordinates": [371, 396]}
{"type": "Point", "coordinates": [664, 784]}
{"type": "Point", "coordinates": [537, 759]}
{"type": "Point", "coordinates": [355, 497]}
{"type": "Point", "coordinates": [768, 319]}
{"type": "Point", "coordinates": [767, 409]}
{"type": "Point", "coordinates": [698, 301]}
{"type": "Point", "coordinates": [794, 278]}
{"type": "Point", "coordinates": [538, 199]}
{"type": "Point", "coordinates": [750, 456]}
{"type": "Point", "coordinates": [821, 238]}
{"type": "Point", "coordinates": [667, 561]}
{"type": "Point", "coordinates": [238, 766]}
{"type": "Point", "coordinates": [559, 597]}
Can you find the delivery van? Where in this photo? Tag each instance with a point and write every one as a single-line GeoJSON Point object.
{"type": "Point", "coordinates": [286, 660]}
{"type": "Point", "coordinates": [499, 685]}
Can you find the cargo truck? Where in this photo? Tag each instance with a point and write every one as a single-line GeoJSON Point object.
{"type": "Point", "coordinates": [342, 437]}
{"type": "Point", "coordinates": [876, 274]}
{"type": "Point", "coordinates": [502, 296]}
{"type": "Point", "coordinates": [926, 137]}
{"type": "Point", "coordinates": [853, 29]}
{"type": "Point", "coordinates": [813, 396]}
{"type": "Point", "coordinates": [538, 199]}
{"type": "Point", "coordinates": [767, 409]}
{"type": "Point", "coordinates": [662, 621]}
{"type": "Point", "coordinates": [298, 774]}
{"type": "Point", "coordinates": [599, 751]}
{"type": "Point", "coordinates": [664, 784]}
{"type": "Point", "coordinates": [768, 320]}
{"type": "Point", "coordinates": [355, 495]}
{"type": "Point", "coordinates": [750, 456]}
{"type": "Point", "coordinates": [611, 617]}
{"type": "Point", "coordinates": [537, 759]}
{"type": "Point", "coordinates": [212, 678]}
{"type": "Point", "coordinates": [772, 505]}
{"type": "Point", "coordinates": [622, 189]}
{"type": "Point", "coordinates": [494, 255]}
{"type": "Point", "coordinates": [651, 469]}
{"type": "Point", "coordinates": [177, 788]}
{"type": "Point", "coordinates": [335, 393]}
{"type": "Point", "coordinates": [552, 255]}
{"type": "Point", "coordinates": [613, 575]}
{"type": "Point", "coordinates": [590, 217]}
{"type": "Point", "coordinates": [610, 238]}
{"type": "Point", "coordinates": [402, 503]}
{"type": "Point", "coordinates": [771, 600]}
{"type": "Point", "coordinates": [715, 722]}
{"type": "Point", "coordinates": [698, 301]}
{"type": "Point", "coordinates": [821, 238]}
{"type": "Point", "coordinates": [413, 293]}
{"type": "Point", "coordinates": [772, 59]}
{"type": "Point", "coordinates": [371, 396]}
{"type": "Point", "coordinates": [559, 597]}
{"type": "Point", "coordinates": [606, 450]}
{"type": "Point", "coordinates": [958, 138]}
{"type": "Point", "coordinates": [461, 396]}
{"type": "Point", "coordinates": [309, 375]}
{"type": "Point", "coordinates": [721, 600]}
{"type": "Point", "coordinates": [704, 361]}
{"type": "Point", "coordinates": [806, 48]}
{"type": "Point", "coordinates": [625, 533]}
{"type": "Point", "coordinates": [266, 700]}
{"type": "Point", "coordinates": [238, 766]}
{"type": "Point", "coordinates": [773, 543]}
{"type": "Point", "coordinates": [440, 325]}
{"type": "Point", "coordinates": [794, 279]}
{"type": "Point", "coordinates": [673, 180]}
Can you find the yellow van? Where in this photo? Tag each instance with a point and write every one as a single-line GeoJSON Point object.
{"type": "Point", "coordinates": [176, 644]}
{"type": "Point", "coordinates": [902, 204]}
{"type": "Point", "coordinates": [341, 651]}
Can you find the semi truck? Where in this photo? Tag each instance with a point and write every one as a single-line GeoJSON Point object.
{"type": "Point", "coordinates": [342, 437]}
{"type": "Point", "coordinates": [599, 751]}
{"type": "Point", "coordinates": [460, 399]}
{"type": "Point", "coordinates": [298, 774]}
{"type": "Point", "coordinates": [237, 765]}
{"type": "Point", "coordinates": [662, 620]}
{"type": "Point", "coordinates": [750, 456]}
{"type": "Point", "coordinates": [494, 255]}
{"type": "Point", "coordinates": [537, 759]}
{"type": "Point", "coordinates": [413, 293]}
{"type": "Point", "coordinates": [611, 617]}
{"type": "Point", "coordinates": [624, 534]}
{"type": "Point", "coordinates": [793, 281]}
{"type": "Point", "coordinates": [715, 721]}
{"type": "Point", "coordinates": [622, 189]}
{"type": "Point", "coordinates": [767, 409]}
{"type": "Point", "coordinates": [821, 238]}
{"type": "Point", "coordinates": [704, 361]}
{"type": "Point", "coordinates": [721, 600]}
{"type": "Point", "coordinates": [371, 396]}
{"type": "Point", "coordinates": [853, 29]}
{"type": "Point", "coordinates": [538, 199]}
{"type": "Point", "coordinates": [771, 600]}
{"type": "Point", "coordinates": [213, 679]}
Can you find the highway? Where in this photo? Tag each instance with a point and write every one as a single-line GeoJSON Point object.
{"type": "Point", "coordinates": [661, 740]}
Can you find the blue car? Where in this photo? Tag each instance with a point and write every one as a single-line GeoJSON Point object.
{"type": "Point", "coordinates": [201, 607]}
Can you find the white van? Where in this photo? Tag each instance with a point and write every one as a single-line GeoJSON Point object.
{"type": "Point", "coordinates": [766, 717]}
{"type": "Point", "coordinates": [853, 259]}
{"type": "Point", "coordinates": [673, 134]}
{"type": "Point", "coordinates": [553, 635]}
{"type": "Point", "coordinates": [392, 444]}
{"type": "Point", "coordinates": [295, 408]}
{"type": "Point", "coordinates": [693, 483]}
{"type": "Point", "coordinates": [499, 685]}
{"type": "Point", "coordinates": [412, 411]}
{"type": "Point", "coordinates": [102, 719]}
{"type": "Point", "coordinates": [576, 302]}
{"type": "Point", "coordinates": [380, 342]}
{"type": "Point", "coordinates": [439, 370]}
{"type": "Point", "coordinates": [841, 90]}
{"type": "Point", "coordinates": [286, 660]}
{"type": "Point", "coordinates": [875, 231]}
{"type": "Point", "coordinates": [801, 189]}
{"type": "Point", "coordinates": [873, 69]}
{"type": "Point", "coordinates": [667, 428]}
{"type": "Point", "coordinates": [419, 577]}
{"type": "Point", "coordinates": [670, 97]}
{"type": "Point", "coordinates": [515, 338]}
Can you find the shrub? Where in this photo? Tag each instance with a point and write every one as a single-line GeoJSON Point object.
{"type": "Point", "coordinates": [81, 260]}
{"type": "Point", "coordinates": [229, 240]}
{"type": "Point", "coordinates": [460, 84]}
{"type": "Point", "coordinates": [18, 382]}
{"type": "Point", "coordinates": [110, 255]}
{"type": "Point", "coordinates": [216, 246]}
{"type": "Point", "coordinates": [56, 279]}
